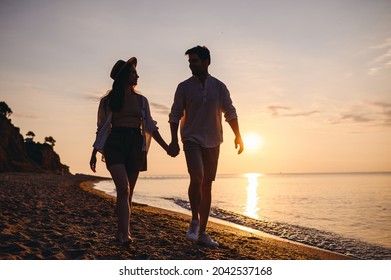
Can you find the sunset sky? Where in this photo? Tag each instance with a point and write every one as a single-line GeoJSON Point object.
{"type": "Point", "coordinates": [311, 80]}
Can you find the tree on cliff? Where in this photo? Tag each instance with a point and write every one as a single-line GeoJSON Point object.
{"type": "Point", "coordinates": [50, 140]}
{"type": "Point", "coordinates": [30, 136]}
{"type": "Point", "coordinates": [5, 110]}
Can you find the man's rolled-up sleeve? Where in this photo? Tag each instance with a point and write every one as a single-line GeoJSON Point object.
{"type": "Point", "coordinates": [178, 106]}
{"type": "Point", "coordinates": [228, 107]}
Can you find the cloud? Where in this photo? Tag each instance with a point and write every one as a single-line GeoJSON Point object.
{"type": "Point", "coordinates": [372, 113]}
{"type": "Point", "coordinates": [383, 111]}
{"type": "Point", "coordinates": [91, 97]}
{"type": "Point", "coordinates": [275, 111]}
{"type": "Point", "coordinates": [356, 117]}
{"type": "Point", "coordinates": [159, 108]}
{"type": "Point", "coordinates": [368, 113]}
{"type": "Point", "coordinates": [94, 95]}
{"type": "Point", "coordinates": [26, 116]}
{"type": "Point", "coordinates": [383, 105]}
{"type": "Point", "coordinates": [302, 114]}
{"type": "Point", "coordinates": [385, 44]}
{"type": "Point", "coordinates": [382, 61]}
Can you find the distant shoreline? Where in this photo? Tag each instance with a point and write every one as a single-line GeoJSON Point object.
{"type": "Point", "coordinates": [267, 174]}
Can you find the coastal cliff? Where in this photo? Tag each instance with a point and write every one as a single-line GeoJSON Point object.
{"type": "Point", "coordinates": [18, 155]}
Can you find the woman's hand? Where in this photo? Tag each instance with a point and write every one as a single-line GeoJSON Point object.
{"type": "Point", "coordinates": [93, 161]}
{"type": "Point", "coordinates": [158, 138]}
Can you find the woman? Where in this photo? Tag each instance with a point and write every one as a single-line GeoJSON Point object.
{"type": "Point", "coordinates": [125, 127]}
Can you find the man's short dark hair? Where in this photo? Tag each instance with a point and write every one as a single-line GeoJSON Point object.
{"type": "Point", "coordinates": [202, 52]}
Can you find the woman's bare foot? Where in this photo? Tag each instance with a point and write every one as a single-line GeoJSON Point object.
{"type": "Point", "coordinates": [119, 237]}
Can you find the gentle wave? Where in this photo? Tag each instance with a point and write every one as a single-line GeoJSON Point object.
{"type": "Point", "coordinates": [309, 236]}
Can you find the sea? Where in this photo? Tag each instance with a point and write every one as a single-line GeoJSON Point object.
{"type": "Point", "coordinates": [347, 213]}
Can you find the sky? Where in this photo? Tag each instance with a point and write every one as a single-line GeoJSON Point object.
{"type": "Point", "coordinates": [310, 79]}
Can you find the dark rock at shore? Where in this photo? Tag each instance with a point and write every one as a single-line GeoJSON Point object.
{"type": "Point", "coordinates": [16, 155]}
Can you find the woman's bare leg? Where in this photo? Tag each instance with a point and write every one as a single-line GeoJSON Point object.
{"type": "Point", "coordinates": [120, 178]}
{"type": "Point", "coordinates": [132, 179]}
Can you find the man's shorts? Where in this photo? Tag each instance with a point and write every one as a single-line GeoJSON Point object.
{"type": "Point", "coordinates": [200, 159]}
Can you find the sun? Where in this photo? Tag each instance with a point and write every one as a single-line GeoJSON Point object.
{"type": "Point", "coordinates": [252, 142]}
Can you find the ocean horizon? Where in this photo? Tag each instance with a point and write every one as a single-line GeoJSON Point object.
{"type": "Point", "coordinates": [348, 213]}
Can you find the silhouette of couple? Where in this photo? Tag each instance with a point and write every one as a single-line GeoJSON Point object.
{"type": "Point", "coordinates": [125, 129]}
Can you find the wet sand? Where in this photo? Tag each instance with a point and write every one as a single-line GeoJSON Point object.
{"type": "Point", "coordinates": [47, 216]}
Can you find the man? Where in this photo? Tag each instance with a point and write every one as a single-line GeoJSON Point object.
{"type": "Point", "coordinates": [199, 103]}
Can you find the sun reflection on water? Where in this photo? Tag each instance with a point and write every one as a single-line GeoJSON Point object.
{"type": "Point", "coordinates": [252, 195]}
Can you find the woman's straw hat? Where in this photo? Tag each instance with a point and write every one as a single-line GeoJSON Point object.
{"type": "Point", "coordinates": [120, 65]}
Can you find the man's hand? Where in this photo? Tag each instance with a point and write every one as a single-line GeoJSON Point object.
{"type": "Point", "coordinates": [238, 138]}
{"type": "Point", "coordinates": [239, 142]}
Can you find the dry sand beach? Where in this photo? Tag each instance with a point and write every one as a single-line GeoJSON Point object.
{"type": "Point", "coordinates": [47, 216]}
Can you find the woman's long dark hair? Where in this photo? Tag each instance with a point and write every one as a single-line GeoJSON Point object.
{"type": "Point", "coordinates": [115, 98]}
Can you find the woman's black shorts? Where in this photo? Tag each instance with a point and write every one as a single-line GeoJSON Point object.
{"type": "Point", "coordinates": [124, 146]}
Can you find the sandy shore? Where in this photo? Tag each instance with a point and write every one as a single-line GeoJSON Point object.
{"type": "Point", "coordinates": [46, 216]}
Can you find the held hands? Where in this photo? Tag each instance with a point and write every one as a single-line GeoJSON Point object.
{"type": "Point", "coordinates": [173, 149]}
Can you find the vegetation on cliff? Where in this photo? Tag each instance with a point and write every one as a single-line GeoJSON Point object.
{"type": "Point", "coordinates": [20, 155]}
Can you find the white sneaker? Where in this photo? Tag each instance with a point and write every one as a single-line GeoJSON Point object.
{"type": "Point", "coordinates": [205, 239]}
{"type": "Point", "coordinates": [192, 233]}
